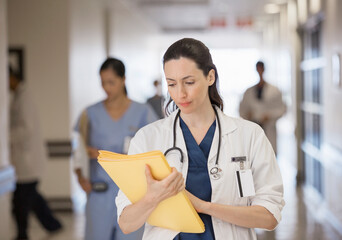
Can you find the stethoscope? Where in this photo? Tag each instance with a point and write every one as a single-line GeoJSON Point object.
{"type": "Point", "coordinates": [216, 171]}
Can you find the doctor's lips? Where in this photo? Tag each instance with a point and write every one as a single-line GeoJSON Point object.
{"type": "Point", "coordinates": [185, 104]}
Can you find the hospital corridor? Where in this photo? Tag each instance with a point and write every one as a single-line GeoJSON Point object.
{"type": "Point", "coordinates": [261, 148]}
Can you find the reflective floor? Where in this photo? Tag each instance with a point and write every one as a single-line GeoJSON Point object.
{"type": "Point", "coordinates": [298, 222]}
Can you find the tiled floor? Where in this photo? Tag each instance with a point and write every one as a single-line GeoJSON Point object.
{"type": "Point", "coordinates": [297, 223]}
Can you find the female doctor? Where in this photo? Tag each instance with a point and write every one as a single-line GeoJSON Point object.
{"type": "Point", "coordinates": [230, 171]}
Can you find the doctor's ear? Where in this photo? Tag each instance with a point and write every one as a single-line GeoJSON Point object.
{"type": "Point", "coordinates": [211, 77]}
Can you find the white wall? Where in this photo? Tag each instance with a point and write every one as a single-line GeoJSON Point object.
{"type": "Point", "coordinates": [86, 54]}
{"type": "Point", "coordinates": [41, 28]}
{"type": "Point", "coordinates": [3, 86]}
{"type": "Point", "coordinates": [87, 51]}
{"type": "Point", "coordinates": [215, 39]}
{"type": "Point", "coordinates": [332, 127]}
{"type": "Point", "coordinates": [64, 45]}
{"type": "Point", "coordinates": [133, 40]}
{"type": "Point", "coordinates": [332, 94]}
{"type": "Point", "coordinates": [4, 160]}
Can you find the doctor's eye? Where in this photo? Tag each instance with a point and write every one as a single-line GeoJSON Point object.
{"type": "Point", "coordinates": [171, 84]}
{"type": "Point", "coordinates": [190, 83]}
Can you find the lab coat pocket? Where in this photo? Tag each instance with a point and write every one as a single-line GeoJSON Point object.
{"type": "Point", "coordinates": [237, 199]}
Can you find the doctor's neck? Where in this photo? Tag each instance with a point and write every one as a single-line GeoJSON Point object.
{"type": "Point", "coordinates": [261, 81]}
{"type": "Point", "coordinates": [200, 117]}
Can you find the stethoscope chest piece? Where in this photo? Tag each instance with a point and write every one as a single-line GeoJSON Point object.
{"type": "Point", "coordinates": [216, 173]}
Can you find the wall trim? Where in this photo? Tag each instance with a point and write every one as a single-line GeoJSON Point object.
{"type": "Point", "coordinates": [59, 149]}
{"type": "Point", "coordinates": [60, 204]}
{"type": "Point", "coordinates": [7, 179]}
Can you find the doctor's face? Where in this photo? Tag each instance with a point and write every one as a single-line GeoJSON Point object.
{"type": "Point", "coordinates": [112, 84]}
{"type": "Point", "coordinates": [187, 85]}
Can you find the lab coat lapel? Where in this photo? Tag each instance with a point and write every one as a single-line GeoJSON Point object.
{"type": "Point", "coordinates": [227, 126]}
{"type": "Point", "coordinates": [214, 147]}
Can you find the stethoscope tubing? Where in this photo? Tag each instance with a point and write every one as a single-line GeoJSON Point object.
{"type": "Point", "coordinates": [180, 150]}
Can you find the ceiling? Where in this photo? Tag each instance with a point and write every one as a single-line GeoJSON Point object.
{"type": "Point", "coordinates": [201, 15]}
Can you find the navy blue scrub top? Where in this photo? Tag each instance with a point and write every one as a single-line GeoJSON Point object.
{"type": "Point", "coordinates": [198, 181]}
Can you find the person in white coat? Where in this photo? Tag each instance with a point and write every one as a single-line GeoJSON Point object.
{"type": "Point", "coordinates": [217, 149]}
{"type": "Point", "coordinates": [263, 104]}
{"type": "Point", "coordinates": [28, 156]}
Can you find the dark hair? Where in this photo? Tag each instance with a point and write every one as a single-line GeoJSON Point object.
{"type": "Point", "coordinates": [116, 66]}
{"type": "Point", "coordinates": [195, 50]}
{"type": "Point", "coordinates": [261, 64]}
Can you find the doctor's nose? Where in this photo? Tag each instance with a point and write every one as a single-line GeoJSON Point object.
{"type": "Point", "coordinates": [181, 91]}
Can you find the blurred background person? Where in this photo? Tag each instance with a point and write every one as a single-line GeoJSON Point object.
{"type": "Point", "coordinates": [106, 125]}
{"type": "Point", "coordinates": [157, 101]}
{"type": "Point", "coordinates": [263, 104]}
{"type": "Point", "coordinates": [28, 155]}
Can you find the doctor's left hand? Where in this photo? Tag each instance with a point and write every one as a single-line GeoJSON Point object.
{"type": "Point", "coordinates": [198, 204]}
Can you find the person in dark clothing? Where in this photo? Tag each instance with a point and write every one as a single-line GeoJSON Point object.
{"type": "Point", "coordinates": [157, 101]}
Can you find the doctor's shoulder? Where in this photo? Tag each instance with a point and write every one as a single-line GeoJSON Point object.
{"type": "Point", "coordinates": [247, 128]}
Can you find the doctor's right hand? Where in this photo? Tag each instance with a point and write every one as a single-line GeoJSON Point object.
{"type": "Point", "coordinates": [158, 191]}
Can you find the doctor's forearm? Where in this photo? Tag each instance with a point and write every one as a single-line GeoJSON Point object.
{"type": "Point", "coordinates": [244, 216]}
{"type": "Point", "coordinates": [135, 215]}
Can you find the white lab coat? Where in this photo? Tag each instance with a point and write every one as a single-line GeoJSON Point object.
{"type": "Point", "coordinates": [271, 105]}
{"type": "Point", "coordinates": [239, 138]}
{"type": "Point", "coordinates": [28, 152]}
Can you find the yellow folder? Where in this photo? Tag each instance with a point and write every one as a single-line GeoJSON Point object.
{"type": "Point", "coordinates": [128, 172]}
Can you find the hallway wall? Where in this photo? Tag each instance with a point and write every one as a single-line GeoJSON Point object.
{"type": "Point", "coordinates": [86, 52]}
{"type": "Point", "coordinates": [5, 196]}
{"type": "Point", "coordinates": [333, 93]}
{"type": "Point", "coordinates": [64, 45]}
{"type": "Point", "coordinates": [332, 124]}
{"type": "Point", "coordinates": [133, 39]}
{"type": "Point", "coordinates": [320, 116]}
{"type": "Point", "coordinates": [40, 28]}
{"type": "Point", "coordinates": [4, 161]}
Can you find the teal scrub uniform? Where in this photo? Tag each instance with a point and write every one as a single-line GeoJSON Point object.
{"type": "Point", "coordinates": [107, 134]}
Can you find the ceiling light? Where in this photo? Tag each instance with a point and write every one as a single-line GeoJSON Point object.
{"type": "Point", "coordinates": [271, 8]}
